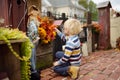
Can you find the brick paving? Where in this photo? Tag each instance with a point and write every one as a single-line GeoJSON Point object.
{"type": "Point", "coordinates": [100, 65]}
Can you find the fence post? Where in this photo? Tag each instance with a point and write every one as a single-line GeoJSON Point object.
{"type": "Point", "coordinates": [89, 33]}
{"type": "Point", "coordinates": [63, 15]}
{"type": "Point", "coordinates": [88, 18]}
{"type": "Point", "coordinates": [75, 16]}
{"type": "Point", "coordinates": [87, 46]}
{"type": "Point", "coordinates": [49, 14]}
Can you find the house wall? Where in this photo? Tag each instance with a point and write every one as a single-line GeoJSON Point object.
{"type": "Point", "coordinates": [70, 11]}
{"type": "Point", "coordinates": [114, 30]}
{"type": "Point", "coordinates": [63, 10]}
{"type": "Point", "coordinates": [80, 13]}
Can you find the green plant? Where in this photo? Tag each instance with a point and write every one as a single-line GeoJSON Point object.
{"type": "Point", "coordinates": [7, 34]}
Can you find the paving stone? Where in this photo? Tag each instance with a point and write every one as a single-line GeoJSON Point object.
{"type": "Point", "coordinates": [100, 77]}
{"type": "Point", "coordinates": [83, 72]}
{"type": "Point", "coordinates": [58, 78]}
{"type": "Point", "coordinates": [95, 72]}
{"type": "Point", "coordinates": [117, 70]}
{"type": "Point", "coordinates": [45, 73]}
{"type": "Point", "coordinates": [112, 67]}
{"type": "Point", "coordinates": [107, 72]}
{"type": "Point", "coordinates": [115, 76]}
{"type": "Point", "coordinates": [48, 77]}
{"type": "Point", "coordinates": [101, 65]}
{"type": "Point", "coordinates": [86, 77]}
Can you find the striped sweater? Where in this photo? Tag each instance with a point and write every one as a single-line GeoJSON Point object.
{"type": "Point", "coordinates": [72, 50]}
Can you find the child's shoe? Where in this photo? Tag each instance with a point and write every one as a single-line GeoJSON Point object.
{"type": "Point", "coordinates": [74, 72]}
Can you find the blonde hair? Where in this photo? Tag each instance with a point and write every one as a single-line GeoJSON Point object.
{"type": "Point", "coordinates": [73, 26]}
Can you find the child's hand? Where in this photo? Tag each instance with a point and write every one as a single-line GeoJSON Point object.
{"type": "Point", "coordinates": [56, 63]}
{"type": "Point", "coordinates": [57, 30]}
{"type": "Point", "coordinates": [36, 39]}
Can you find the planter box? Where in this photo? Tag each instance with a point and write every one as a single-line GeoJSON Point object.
{"type": "Point", "coordinates": [8, 62]}
{"type": "Point", "coordinates": [44, 56]}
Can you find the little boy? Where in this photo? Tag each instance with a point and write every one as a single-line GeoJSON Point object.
{"type": "Point", "coordinates": [70, 58]}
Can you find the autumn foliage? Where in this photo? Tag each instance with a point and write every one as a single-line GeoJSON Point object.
{"type": "Point", "coordinates": [96, 27]}
{"type": "Point", "coordinates": [46, 29]}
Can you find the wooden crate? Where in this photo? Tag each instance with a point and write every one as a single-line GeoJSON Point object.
{"type": "Point", "coordinates": [8, 62]}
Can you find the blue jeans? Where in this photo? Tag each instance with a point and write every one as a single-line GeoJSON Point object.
{"type": "Point", "coordinates": [33, 58]}
{"type": "Point", "coordinates": [63, 68]}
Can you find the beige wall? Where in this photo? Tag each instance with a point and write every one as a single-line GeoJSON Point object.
{"type": "Point", "coordinates": [114, 30]}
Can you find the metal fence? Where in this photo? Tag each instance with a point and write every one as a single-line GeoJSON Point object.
{"type": "Point", "coordinates": [63, 16]}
